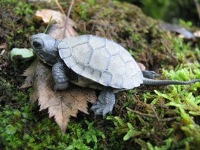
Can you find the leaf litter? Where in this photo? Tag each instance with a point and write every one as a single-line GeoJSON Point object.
{"type": "Point", "coordinates": [60, 104]}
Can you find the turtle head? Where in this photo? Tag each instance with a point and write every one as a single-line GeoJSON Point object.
{"type": "Point", "coordinates": [45, 47]}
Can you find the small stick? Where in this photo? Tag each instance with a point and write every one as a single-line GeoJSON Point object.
{"type": "Point", "coordinates": [67, 20]}
{"type": "Point", "coordinates": [198, 7]}
{"type": "Point", "coordinates": [139, 113]}
{"type": "Point", "coordinates": [48, 25]}
{"type": "Point", "coordinates": [60, 7]}
{"type": "Point", "coordinates": [70, 8]}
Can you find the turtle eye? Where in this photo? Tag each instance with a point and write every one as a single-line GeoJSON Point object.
{"type": "Point", "coordinates": [37, 45]}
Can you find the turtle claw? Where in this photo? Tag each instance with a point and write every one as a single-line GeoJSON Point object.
{"type": "Point", "coordinates": [101, 108]}
{"type": "Point", "coordinates": [105, 103]}
{"type": "Point", "coordinates": [61, 86]}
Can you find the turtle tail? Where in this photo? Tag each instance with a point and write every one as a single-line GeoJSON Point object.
{"type": "Point", "coordinates": [147, 81]}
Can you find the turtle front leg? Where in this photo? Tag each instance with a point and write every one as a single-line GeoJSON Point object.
{"type": "Point", "coordinates": [60, 79]}
{"type": "Point", "coordinates": [105, 102]}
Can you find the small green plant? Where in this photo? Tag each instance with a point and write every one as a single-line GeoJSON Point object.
{"type": "Point", "coordinates": [81, 10]}
{"type": "Point", "coordinates": [83, 138]}
{"type": "Point", "coordinates": [23, 8]}
{"type": "Point", "coordinates": [186, 24]}
{"type": "Point", "coordinates": [183, 52]}
{"type": "Point", "coordinates": [90, 2]}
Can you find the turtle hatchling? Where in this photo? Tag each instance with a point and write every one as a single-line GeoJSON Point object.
{"type": "Point", "coordinates": [94, 62]}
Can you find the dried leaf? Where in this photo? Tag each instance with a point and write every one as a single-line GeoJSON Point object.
{"type": "Point", "coordinates": [142, 66]}
{"type": "Point", "coordinates": [197, 34]}
{"type": "Point", "coordinates": [3, 46]}
{"type": "Point", "coordinates": [29, 74]}
{"type": "Point", "coordinates": [47, 14]}
{"type": "Point", "coordinates": [62, 28]}
{"type": "Point", "coordinates": [60, 104]}
{"type": "Point", "coordinates": [21, 52]}
{"type": "Point", "coordinates": [2, 52]}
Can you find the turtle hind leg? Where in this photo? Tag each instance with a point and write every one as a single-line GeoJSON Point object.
{"type": "Point", "coordinates": [105, 102]}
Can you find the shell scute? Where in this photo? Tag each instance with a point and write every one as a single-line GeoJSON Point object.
{"type": "Point", "coordinates": [70, 62]}
{"type": "Point", "coordinates": [96, 42]}
{"type": "Point", "coordinates": [126, 57]}
{"type": "Point", "coordinates": [74, 42]}
{"type": "Point", "coordinates": [87, 71]}
{"type": "Point", "coordinates": [106, 78]}
{"type": "Point", "coordinates": [78, 68]}
{"type": "Point", "coordinates": [117, 81]}
{"type": "Point", "coordinates": [64, 53]}
{"type": "Point", "coordinates": [117, 65]}
{"type": "Point", "coordinates": [113, 48]}
{"type": "Point", "coordinates": [99, 59]}
{"type": "Point", "coordinates": [83, 50]}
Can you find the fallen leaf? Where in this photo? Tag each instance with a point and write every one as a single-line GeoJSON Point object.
{"type": "Point", "coordinates": [52, 15]}
{"type": "Point", "coordinates": [142, 66]}
{"type": "Point", "coordinates": [29, 74]}
{"type": "Point", "coordinates": [59, 31]}
{"type": "Point", "coordinates": [47, 14]}
{"type": "Point", "coordinates": [21, 52]}
{"type": "Point", "coordinates": [61, 104]}
{"type": "Point", "coordinates": [197, 34]}
{"type": "Point", "coordinates": [62, 26]}
{"type": "Point", "coordinates": [3, 46]}
{"type": "Point", "coordinates": [2, 52]}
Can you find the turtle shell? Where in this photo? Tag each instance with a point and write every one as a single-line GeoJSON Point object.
{"type": "Point", "coordinates": [101, 60]}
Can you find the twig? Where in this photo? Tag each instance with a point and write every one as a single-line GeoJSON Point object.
{"type": "Point", "coordinates": [153, 116]}
{"type": "Point", "coordinates": [142, 114]}
{"type": "Point", "coordinates": [155, 113]}
{"type": "Point", "coordinates": [60, 7]}
{"type": "Point", "coordinates": [70, 8]}
{"type": "Point", "coordinates": [67, 20]}
{"type": "Point", "coordinates": [48, 25]}
{"type": "Point", "coordinates": [198, 7]}
{"type": "Point", "coordinates": [67, 17]}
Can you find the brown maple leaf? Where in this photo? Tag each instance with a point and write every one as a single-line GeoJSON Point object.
{"type": "Point", "coordinates": [29, 74]}
{"type": "Point", "coordinates": [60, 104]}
